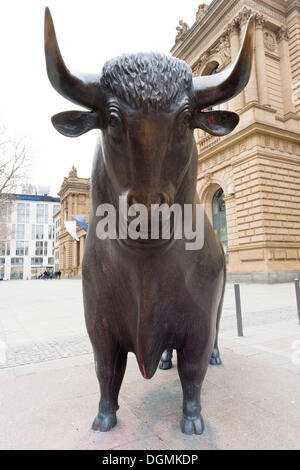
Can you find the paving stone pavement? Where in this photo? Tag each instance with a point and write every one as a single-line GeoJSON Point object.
{"type": "Point", "coordinates": [46, 351]}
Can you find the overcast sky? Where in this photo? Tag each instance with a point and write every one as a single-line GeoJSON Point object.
{"type": "Point", "coordinates": [89, 33]}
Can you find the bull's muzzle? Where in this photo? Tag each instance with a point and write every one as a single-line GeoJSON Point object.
{"type": "Point", "coordinates": [147, 198]}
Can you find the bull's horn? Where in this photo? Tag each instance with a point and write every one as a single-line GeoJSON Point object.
{"type": "Point", "coordinates": [81, 89]}
{"type": "Point", "coordinates": [211, 90]}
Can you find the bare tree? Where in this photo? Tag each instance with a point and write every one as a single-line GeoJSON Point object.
{"type": "Point", "coordinates": [14, 164]}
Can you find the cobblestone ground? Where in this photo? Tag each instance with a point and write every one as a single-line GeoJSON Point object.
{"type": "Point", "coordinates": [46, 351]}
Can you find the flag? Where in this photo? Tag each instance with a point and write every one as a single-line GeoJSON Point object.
{"type": "Point", "coordinates": [71, 229]}
{"type": "Point", "coordinates": [80, 220]}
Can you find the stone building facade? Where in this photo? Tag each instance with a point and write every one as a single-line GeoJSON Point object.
{"type": "Point", "coordinates": [249, 181]}
{"type": "Point", "coordinates": [75, 200]}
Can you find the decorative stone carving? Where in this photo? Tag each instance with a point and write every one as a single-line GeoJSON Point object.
{"type": "Point", "coordinates": [269, 41]}
{"type": "Point", "coordinates": [202, 9]}
{"type": "Point", "coordinates": [73, 172]}
{"type": "Point", "coordinates": [282, 33]}
{"type": "Point", "coordinates": [221, 53]}
{"type": "Point", "coordinates": [259, 20]}
{"type": "Point", "coordinates": [244, 15]}
{"type": "Point", "coordinates": [233, 27]}
{"type": "Point", "coordinates": [207, 178]}
{"type": "Point", "coordinates": [222, 50]}
{"type": "Point", "coordinates": [202, 60]}
{"type": "Point", "coordinates": [182, 31]}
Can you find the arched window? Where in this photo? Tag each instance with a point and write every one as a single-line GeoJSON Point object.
{"type": "Point", "coordinates": [219, 218]}
{"type": "Point", "coordinates": [214, 70]}
{"type": "Point", "coordinates": [211, 68]}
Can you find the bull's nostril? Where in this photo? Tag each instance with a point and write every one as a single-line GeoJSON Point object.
{"type": "Point", "coordinates": [164, 198]}
{"type": "Point", "coordinates": [131, 199]}
{"type": "Point", "coordinates": [159, 198]}
{"type": "Point", "coordinates": [147, 199]}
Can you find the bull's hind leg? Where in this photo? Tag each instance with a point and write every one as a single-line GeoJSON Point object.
{"type": "Point", "coordinates": [110, 369]}
{"type": "Point", "coordinates": [215, 359]}
{"type": "Point", "coordinates": [192, 367]}
{"type": "Point", "coordinates": [166, 359]}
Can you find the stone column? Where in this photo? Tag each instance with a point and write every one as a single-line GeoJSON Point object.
{"type": "Point", "coordinates": [285, 70]}
{"type": "Point", "coordinates": [65, 213]}
{"type": "Point", "coordinates": [64, 260]}
{"type": "Point", "coordinates": [250, 91]}
{"type": "Point", "coordinates": [77, 204]}
{"type": "Point", "coordinates": [68, 256]}
{"type": "Point", "coordinates": [75, 261]}
{"type": "Point", "coordinates": [233, 30]}
{"type": "Point", "coordinates": [261, 61]}
{"type": "Point", "coordinates": [82, 239]}
{"type": "Point", "coordinates": [74, 196]}
{"type": "Point", "coordinates": [70, 206]}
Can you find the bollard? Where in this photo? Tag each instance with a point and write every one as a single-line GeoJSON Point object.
{"type": "Point", "coordinates": [297, 288]}
{"type": "Point", "coordinates": [238, 309]}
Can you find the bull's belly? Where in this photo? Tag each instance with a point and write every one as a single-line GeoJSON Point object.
{"type": "Point", "coordinates": [148, 333]}
{"type": "Point", "coordinates": [147, 336]}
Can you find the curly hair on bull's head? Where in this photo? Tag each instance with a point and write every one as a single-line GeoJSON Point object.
{"type": "Point", "coordinates": [151, 81]}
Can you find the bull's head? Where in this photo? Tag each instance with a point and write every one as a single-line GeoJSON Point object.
{"type": "Point", "coordinates": [147, 106]}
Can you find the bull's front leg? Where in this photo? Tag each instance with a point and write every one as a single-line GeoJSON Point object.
{"type": "Point", "coordinates": [192, 367]}
{"type": "Point", "coordinates": [110, 364]}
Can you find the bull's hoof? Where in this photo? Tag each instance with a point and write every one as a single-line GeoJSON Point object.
{"type": "Point", "coordinates": [165, 365]}
{"type": "Point", "coordinates": [166, 359]}
{"type": "Point", "coordinates": [104, 423]}
{"type": "Point", "coordinates": [192, 425]}
{"type": "Point", "coordinates": [215, 359]}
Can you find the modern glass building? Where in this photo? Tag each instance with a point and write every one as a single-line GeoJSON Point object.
{"type": "Point", "coordinates": [26, 235]}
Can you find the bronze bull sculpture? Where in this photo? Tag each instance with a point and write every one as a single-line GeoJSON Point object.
{"type": "Point", "coordinates": [152, 296]}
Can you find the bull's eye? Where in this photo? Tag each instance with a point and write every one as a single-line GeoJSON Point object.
{"type": "Point", "coordinates": [114, 121]}
{"type": "Point", "coordinates": [115, 127]}
{"type": "Point", "coordinates": [183, 123]}
{"type": "Point", "coordinates": [186, 119]}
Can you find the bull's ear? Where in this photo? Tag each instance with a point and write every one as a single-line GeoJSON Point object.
{"type": "Point", "coordinates": [75, 123]}
{"type": "Point", "coordinates": [215, 122]}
